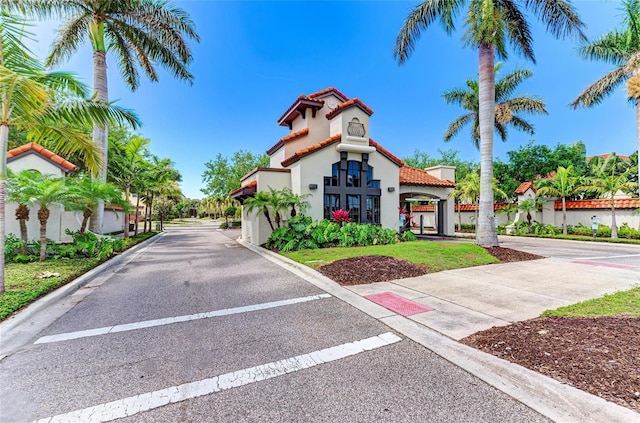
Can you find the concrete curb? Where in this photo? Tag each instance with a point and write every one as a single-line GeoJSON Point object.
{"type": "Point", "coordinates": [54, 297]}
{"type": "Point", "coordinates": [547, 396]}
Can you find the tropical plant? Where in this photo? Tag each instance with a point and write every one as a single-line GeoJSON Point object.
{"type": "Point", "coordinates": [620, 48]}
{"type": "Point", "coordinates": [607, 182]}
{"type": "Point", "coordinates": [297, 202]}
{"type": "Point", "coordinates": [17, 191]}
{"type": "Point", "coordinates": [49, 106]}
{"type": "Point", "coordinates": [528, 206]}
{"type": "Point", "coordinates": [508, 110]}
{"type": "Point", "coordinates": [508, 209]}
{"type": "Point", "coordinates": [563, 185]}
{"type": "Point", "coordinates": [142, 34]}
{"type": "Point", "coordinates": [490, 24]}
{"type": "Point", "coordinates": [46, 191]}
{"type": "Point", "coordinates": [261, 203]}
{"type": "Point", "coordinates": [87, 194]}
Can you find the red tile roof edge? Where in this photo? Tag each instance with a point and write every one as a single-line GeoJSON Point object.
{"type": "Point", "coordinates": [386, 153]}
{"type": "Point", "coordinates": [282, 141]}
{"type": "Point", "coordinates": [343, 106]}
{"type": "Point", "coordinates": [305, 151]}
{"type": "Point", "coordinates": [411, 175]}
{"type": "Point", "coordinates": [251, 184]}
{"type": "Point", "coordinates": [523, 187]}
{"type": "Point", "coordinates": [600, 203]}
{"type": "Point", "coordinates": [47, 154]}
{"type": "Point", "coordinates": [327, 91]}
{"type": "Point", "coordinates": [264, 169]}
{"type": "Point", "coordinates": [319, 103]}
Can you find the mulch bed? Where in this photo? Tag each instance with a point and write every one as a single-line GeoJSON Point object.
{"type": "Point", "coordinates": [598, 355]}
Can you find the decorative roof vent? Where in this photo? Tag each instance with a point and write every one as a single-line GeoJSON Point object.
{"type": "Point", "coordinates": [355, 128]}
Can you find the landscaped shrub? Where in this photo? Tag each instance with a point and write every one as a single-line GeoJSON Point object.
{"type": "Point", "coordinates": [625, 231]}
{"type": "Point", "coordinates": [12, 247]}
{"type": "Point", "coordinates": [408, 236]}
{"type": "Point", "coordinates": [302, 233]}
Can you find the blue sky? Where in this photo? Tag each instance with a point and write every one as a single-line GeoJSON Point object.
{"type": "Point", "coordinates": [255, 58]}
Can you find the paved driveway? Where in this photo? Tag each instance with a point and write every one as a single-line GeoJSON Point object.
{"type": "Point", "coordinates": [197, 328]}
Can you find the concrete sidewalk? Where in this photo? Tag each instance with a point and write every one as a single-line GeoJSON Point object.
{"type": "Point", "coordinates": [467, 300]}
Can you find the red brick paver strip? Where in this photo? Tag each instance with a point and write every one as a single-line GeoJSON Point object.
{"type": "Point", "coordinates": [397, 304]}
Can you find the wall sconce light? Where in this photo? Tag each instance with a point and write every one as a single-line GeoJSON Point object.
{"type": "Point", "coordinates": [391, 189]}
{"type": "Point", "coordinates": [313, 186]}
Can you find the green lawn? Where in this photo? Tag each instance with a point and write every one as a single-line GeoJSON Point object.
{"type": "Point", "coordinates": [22, 287]}
{"type": "Point", "coordinates": [436, 256]}
{"type": "Point", "coordinates": [623, 303]}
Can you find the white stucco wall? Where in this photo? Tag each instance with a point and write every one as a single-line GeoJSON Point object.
{"type": "Point", "coordinates": [34, 161]}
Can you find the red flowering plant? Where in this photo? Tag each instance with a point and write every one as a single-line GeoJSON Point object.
{"type": "Point", "coordinates": [340, 216]}
{"type": "Point", "coordinates": [405, 219]}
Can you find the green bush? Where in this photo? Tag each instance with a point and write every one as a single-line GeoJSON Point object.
{"type": "Point", "coordinates": [408, 236]}
{"type": "Point", "coordinates": [302, 233]}
{"type": "Point", "coordinates": [12, 247]}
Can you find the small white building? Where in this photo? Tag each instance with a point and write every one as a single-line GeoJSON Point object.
{"type": "Point", "coordinates": [33, 156]}
{"type": "Point", "coordinates": [329, 154]}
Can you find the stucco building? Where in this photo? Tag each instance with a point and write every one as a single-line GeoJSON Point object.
{"type": "Point", "coordinates": [330, 155]}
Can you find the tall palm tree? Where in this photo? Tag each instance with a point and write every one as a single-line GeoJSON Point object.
{"type": "Point", "coordinates": [508, 110]}
{"type": "Point", "coordinates": [621, 48]}
{"type": "Point", "coordinates": [563, 185]}
{"type": "Point", "coordinates": [607, 182]}
{"type": "Point", "coordinates": [141, 34]}
{"type": "Point", "coordinates": [490, 24]}
{"type": "Point", "coordinates": [48, 106]}
{"type": "Point", "coordinates": [46, 191]}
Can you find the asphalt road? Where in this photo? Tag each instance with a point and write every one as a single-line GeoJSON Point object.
{"type": "Point", "coordinates": [311, 359]}
{"type": "Point", "coordinates": [602, 252]}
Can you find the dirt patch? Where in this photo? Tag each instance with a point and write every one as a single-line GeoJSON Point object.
{"type": "Point", "coordinates": [369, 269]}
{"type": "Point", "coordinates": [507, 255]}
{"type": "Point", "coordinates": [598, 355]}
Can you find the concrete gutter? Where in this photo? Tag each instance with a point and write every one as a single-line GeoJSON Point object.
{"type": "Point", "coordinates": [18, 329]}
{"type": "Point", "coordinates": [558, 401]}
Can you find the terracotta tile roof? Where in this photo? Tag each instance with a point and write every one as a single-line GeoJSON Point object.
{"type": "Point", "coordinates": [413, 176]}
{"type": "Point", "coordinates": [524, 187]}
{"type": "Point", "coordinates": [301, 103]}
{"type": "Point", "coordinates": [423, 208]}
{"type": "Point", "coordinates": [386, 153]}
{"type": "Point", "coordinates": [244, 190]}
{"type": "Point", "coordinates": [284, 140]}
{"type": "Point", "coordinates": [602, 203]}
{"type": "Point", "coordinates": [264, 169]}
{"type": "Point", "coordinates": [305, 151]}
{"type": "Point", "coordinates": [37, 148]}
{"type": "Point", "coordinates": [605, 156]}
{"type": "Point", "coordinates": [327, 91]}
{"type": "Point", "coordinates": [351, 103]}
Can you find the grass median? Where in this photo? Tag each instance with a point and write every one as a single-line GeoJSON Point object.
{"type": "Point", "coordinates": [436, 256]}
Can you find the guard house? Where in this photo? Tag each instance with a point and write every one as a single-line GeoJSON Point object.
{"type": "Point", "coordinates": [329, 154]}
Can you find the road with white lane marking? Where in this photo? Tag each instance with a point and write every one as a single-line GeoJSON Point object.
{"type": "Point", "coordinates": [199, 329]}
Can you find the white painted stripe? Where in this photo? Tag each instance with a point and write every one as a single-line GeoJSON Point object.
{"type": "Point", "coordinates": [171, 320]}
{"type": "Point", "coordinates": [607, 257]}
{"type": "Point", "coordinates": [133, 405]}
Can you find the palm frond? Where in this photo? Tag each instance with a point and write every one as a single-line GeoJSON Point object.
{"type": "Point", "coordinates": [560, 17]}
{"type": "Point", "coordinates": [522, 125]}
{"type": "Point", "coordinates": [70, 36]}
{"type": "Point", "coordinates": [506, 85]}
{"type": "Point", "coordinates": [501, 129]}
{"type": "Point", "coordinates": [609, 48]}
{"type": "Point", "coordinates": [457, 125]}
{"type": "Point", "coordinates": [517, 28]}
{"type": "Point", "coordinates": [597, 91]}
{"type": "Point", "coordinates": [528, 105]}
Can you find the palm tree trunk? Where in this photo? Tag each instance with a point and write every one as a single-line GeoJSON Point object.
{"type": "Point", "coordinates": [137, 205]}
{"type": "Point", "coordinates": [614, 227]}
{"type": "Point", "coordinates": [266, 214]}
{"type": "Point", "coordinates": [4, 138]}
{"type": "Point", "coordinates": [125, 227]}
{"type": "Point", "coordinates": [43, 216]}
{"type": "Point", "coordinates": [85, 218]}
{"type": "Point", "coordinates": [638, 138]}
{"type": "Point", "coordinates": [22, 215]}
{"type": "Point", "coordinates": [564, 217]}
{"type": "Point", "coordinates": [460, 216]}
{"type": "Point", "coordinates": [100, 132]}
{"type": "Point", "coordinates": [485, 231]}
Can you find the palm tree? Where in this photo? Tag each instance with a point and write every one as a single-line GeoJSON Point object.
{"type": "Point", "coordinates": [489, 25]}
{"type": "Point", "coordinates": [142, 34]}
{"type": "Point", "coordinates": [563, 185]}
{"type": "Point", "coordinates": [508, 110]}
{"type": "Point", "coordinates": [261, 202]}
{"type": "Point", "coordinates": [46, 191]}
{"type": "Point", "coordinates": [607, 182]}
{"type": "Point", "coordinates": [530, 205]}
{"type": "Point", "coordinates": [469, 189]}
{"type": "Point", "coordinates": [294, 201]}
{"type": "Point", "coordinates": [88, 192]}
{"type": "Point", "coordinates": [17, 187]}
{"type": "Point", "coordinates": [127, 168]}
{"type": "Point", "coordinates": [48, 106]}
{"type": "Point", "coordinates": [621, 48]}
